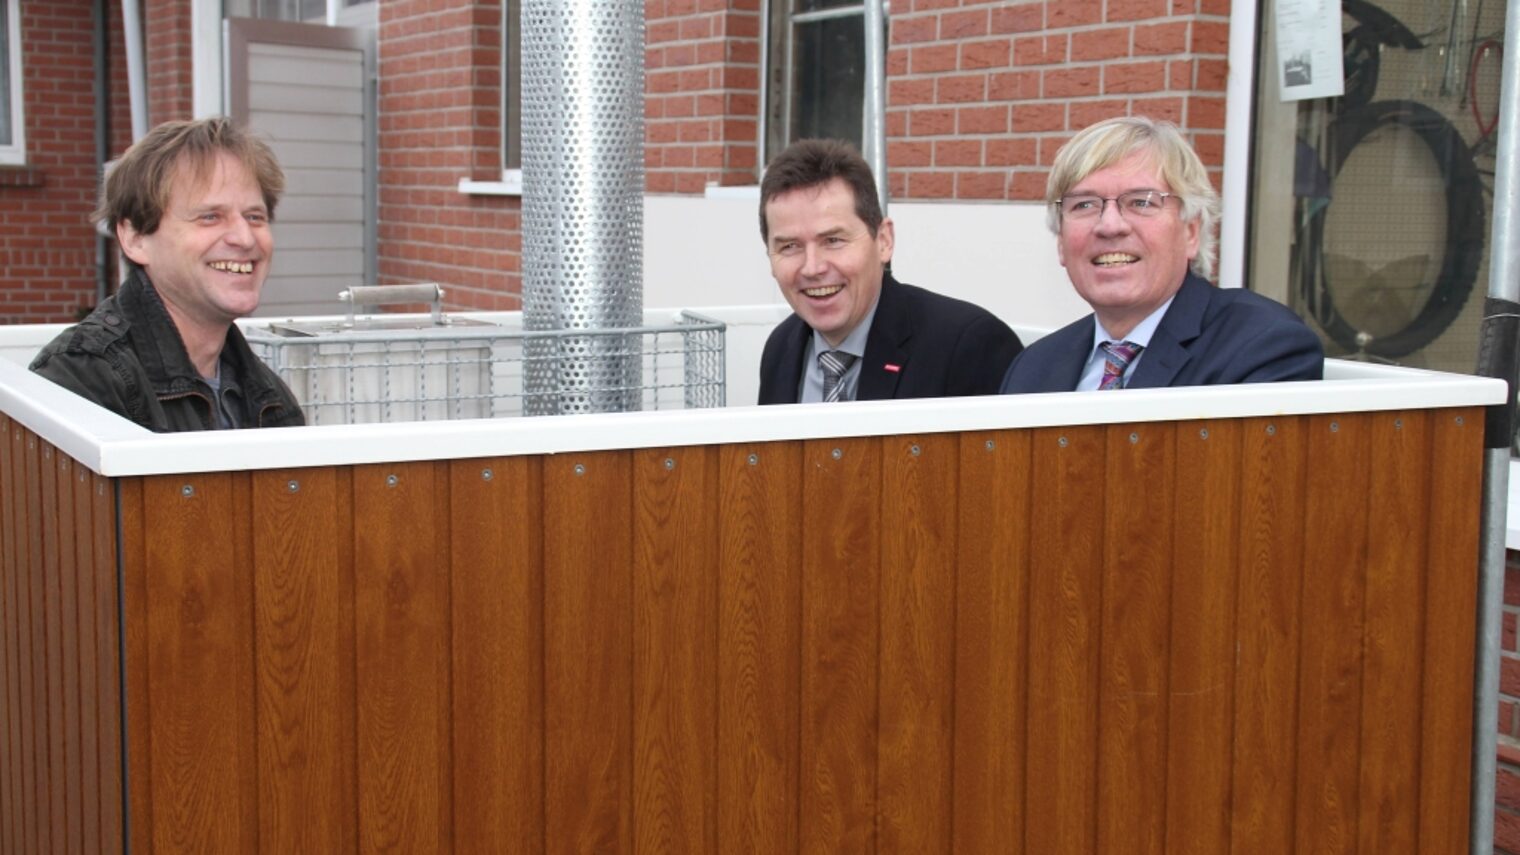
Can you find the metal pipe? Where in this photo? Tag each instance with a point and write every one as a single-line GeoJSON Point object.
{"type": "Point", "coordinates": [583, 200]}
{"type": "Point", "coordinates": [137, 72]}
{"type": "Point", "coordinates": [1240, 106]}
{"type": "Point", "coordinates": [1503, 284]}
{"type": "Point", "coordinates": [101, 41]}
{"type": "Point", "coordinates": [875, 136]}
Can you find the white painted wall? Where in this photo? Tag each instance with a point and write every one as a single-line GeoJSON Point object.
{"type": "Point", "coordinates": [707, 252]}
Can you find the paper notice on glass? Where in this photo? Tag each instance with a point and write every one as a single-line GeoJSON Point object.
{"type": "Point", "coordinates": [1309, 49]}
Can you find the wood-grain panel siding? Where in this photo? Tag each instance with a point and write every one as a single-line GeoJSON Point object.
{"type": "Point", "coordinates": [401, 613]}
{"type": "Point", "coordinates": [588, 657]}
{"type": "Point", "coordinates": [1134, 513]}
{"type": "Point", "coordinates": [1206, 636]}
{"type": "Point", "coordinates": [495, 522]}
{"type": "Point", "coordinates": [919, 520]}
{"type": "Point", "coordinates": [1450, 621]}
{"type": "Point", "coordinates": [58, 725]}
{"type": "Point", "coordinates": [675, 647]}
{"type": "Point", "coordinates": [306, 798]}
{"type": "Point", "coordinates": [1065, 617]}
{"type": "Point", "coordinates": [1205, 528]}
{"type": "Point", "coordinates": [759, 646]}
{"type": "Point", "coordinates": [841, 548]}
{"type": "Point", "coordinates": [1269, 576]}
{"type": "Point", "coordinates": [991, 641]}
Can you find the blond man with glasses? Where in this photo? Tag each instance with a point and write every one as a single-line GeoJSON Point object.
{"type": "Point", "coordinates": [1135, 218]}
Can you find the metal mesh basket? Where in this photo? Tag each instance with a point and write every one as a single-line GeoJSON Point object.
{"type": "Point", "coordinates": [396, 369]}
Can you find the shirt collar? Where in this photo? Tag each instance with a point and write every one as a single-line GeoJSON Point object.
{"type": "Point", "coordinates": [855, 343]}
{"type": "Point", "coordinates": [1142, 332]}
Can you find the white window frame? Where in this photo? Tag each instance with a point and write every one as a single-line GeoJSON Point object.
{"type": "Point", "coordinates": [15, 153]}
{"type": "Point", "coordinates": [511, 110]}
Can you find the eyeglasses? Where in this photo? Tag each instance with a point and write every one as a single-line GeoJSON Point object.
{"type": "Point", "coordinates": [1135, 203]}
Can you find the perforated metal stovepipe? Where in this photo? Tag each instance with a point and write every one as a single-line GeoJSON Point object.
{"type": "Point", "coordinates": [583, 200]}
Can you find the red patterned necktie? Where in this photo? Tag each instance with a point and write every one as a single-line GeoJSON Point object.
{"type": "Point", "coordinates": [1117, 355]}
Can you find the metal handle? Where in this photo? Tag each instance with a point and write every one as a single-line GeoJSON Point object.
{"type": "Point", "coordinates": [390, 295]}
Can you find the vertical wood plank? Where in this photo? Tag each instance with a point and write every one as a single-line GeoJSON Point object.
{"type": "Point", "coordinates": [50, 572]}
{"type": "Point", "coordinates": [199, 643]}
{"type": "Point", "coordinates": [588, 660]}
{"type": "Point", "coordinates": [111, 692]}
{"type": "Point", "coordinates": [759, 639]}
{"type": "Point", "coordinates": [1267, 631]}
{"type": "Point", "coordinates": [1065, 605]}
{"type": "Point", "coordinates": [34, 651]}
{"type": "Point", "coordinates": [991, 641]}
{"type": "Point", "coordinates": [306, 800]}
{"type": "Point", "coordinates": [1330, 655]}
{"type": "Point", "coordinates": [675, 597]}
{"type": "Point", "coordinates": [496, 516]}
{"type": "Point", "coordinates": [69, 811]}
{"type": "Point", "coordinates": [1205, 548]}
{"type": "Point", "coordinates": [1137, 518]}
{"type": "Point", "coordinates": [1450, 623]}
{"type": "Point", "coordinates": [917, 674]}
{"type": "Point", "coordinates": [12, 746]}
{"type": "Point", "coordinates": [840, 653]}
{"type": "Point", "coordinates": [401, 631]}
{"type": "Point", "coordinates": [136, 818]}
{"type": "Point", "coordinates": [1399, 479]}
{"type": "Point", "coordinates": [87, 575]}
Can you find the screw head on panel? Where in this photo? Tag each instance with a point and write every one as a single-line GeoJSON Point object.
{"type": "Point", "coordinates": [837, 453]}
{"type": "Point", "coordinates": [754, 460]}
{"type": "Point", "coordinates": [1061, 442]}
{"type": "Point", "coordinates": [914, 450]}
{"type": "Point", "coordinates": [991, 445]}
{"type": "Point", "coordinates": [1134, 438]}
{"type": "Point", "coordinates": [1271, 430]}
{"type": "Point", "coordinates": [670, 463]}
{"type": "Point", "coordinates": [1335, 427]}
{"type": "Point", "coordinates": [486, 474]}
{"type": "Point", "coordinates": [1203, 433]}
{"type": "Point", "coordinates": [580, 469]}
{"type": "Point", "coordinates": [293, 486]}
{"type": "Point", "coordinates": [187, 491]}
{"type": "Point", "coordinates": [392, 480]}
{"type": "Point", "coordinates": [1459, 421]}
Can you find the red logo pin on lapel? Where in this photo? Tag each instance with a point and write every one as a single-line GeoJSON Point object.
{"type": "Point", "coordinates": [893, 367]}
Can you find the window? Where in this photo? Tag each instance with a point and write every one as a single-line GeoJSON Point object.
{"type": "Point", "coordinates": [12, 124]}
{"type": "Point", "coordinates": [815, 80]}
{"type": "Point", "coordinates": [311, 11]}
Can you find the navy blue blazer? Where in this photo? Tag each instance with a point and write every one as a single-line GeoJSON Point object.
{"type": "Point", "coordinates": [1208, 336]}
{"type": "Point", "coordinates": [921, 345]}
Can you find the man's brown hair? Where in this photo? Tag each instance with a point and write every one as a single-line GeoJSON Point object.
{"type": "Point", "coordinates": [810, 163]}
{"type": "Point", "coordinates": [136, 189]}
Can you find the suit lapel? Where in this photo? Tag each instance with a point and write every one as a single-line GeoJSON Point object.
{"type": "Point", "coordinates": [1167, 354]}
{"type": "Point", "coordinates": [886, 355]}
{"type": "Point", "coordinates": [789, 370]}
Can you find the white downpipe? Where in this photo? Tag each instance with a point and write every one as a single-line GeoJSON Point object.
{"type": "Point", "coordinates": [1240, 105]}
{"type": "Point", "coordinates": [137, 72]}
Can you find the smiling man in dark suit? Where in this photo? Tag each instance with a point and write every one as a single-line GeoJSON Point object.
{"type": "Point", "coordinates": [1134, 215]}
{"type": "Point", "coordinates": [855, 332]}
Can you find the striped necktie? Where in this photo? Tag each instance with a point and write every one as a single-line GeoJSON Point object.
{"type": "Point", "coordinates": [1117, 355]}
{"type": "Point", "coordinates": [834, 364]}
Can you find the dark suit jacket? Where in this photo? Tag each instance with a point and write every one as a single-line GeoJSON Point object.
{"type": "Point", "coordinates": [942, 347]}
{"type": "Point", "coordinates": [1208, 336]}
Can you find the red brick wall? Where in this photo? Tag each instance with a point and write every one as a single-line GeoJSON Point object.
{"type": "Point", "coordinates": [1507, 807]}
{"type": "Point", "coordinates": [702, 93]}
{"type": "Point", "coordinates": [440, 120]}
{"type": "Point", "coordinates": [980, 96]}
{"type": "Point", "coordinates": [47, 246]}
{"type": "Point", "coordinates": [170, 64]}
